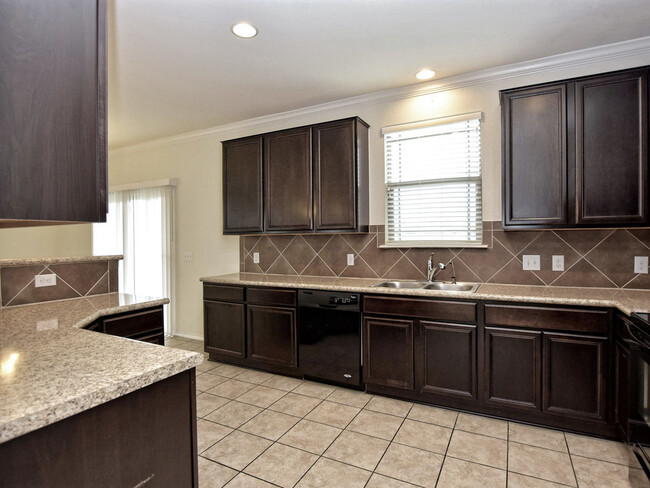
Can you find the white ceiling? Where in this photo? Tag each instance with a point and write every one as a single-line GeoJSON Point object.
{"type": "Point", "coordinates": [175, 67]}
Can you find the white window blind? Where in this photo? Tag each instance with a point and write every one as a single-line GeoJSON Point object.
{"type": "Point", "coordinates": [433, 183]}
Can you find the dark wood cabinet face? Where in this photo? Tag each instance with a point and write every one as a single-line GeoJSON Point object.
{"type": "Point", "coordinates": [388, 352]}
{"type": "Point", "coordinates": [224, 328]}
{"type": "Point", "coordinates": [288, 181]}
{"type": "Point", "coordinates": [272, 335]}
{"type": "Point", "coordinates": [447, 362]}
{"type": "Point", "coordinates": [622, 393]}
{"type": "Point", "coordinates": [575, 376]}
{"type": "Point", "coordinates": [611, 148]}
{"type": "Point", "coordinates": [534, 156]}
{"type": "Point", "coordinates": [242, 186]}
{"type": "Point", "coordinates": [512, 370]}
{"type": "Point", "coordinates": [53, 116]}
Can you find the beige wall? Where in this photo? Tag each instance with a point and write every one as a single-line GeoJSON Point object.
{"type": "Point", "coordinates": [197, 165]}
{"type": "Point", "coordinates": [50, 241]}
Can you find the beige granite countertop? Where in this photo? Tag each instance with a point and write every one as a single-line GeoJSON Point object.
{"type": "Point", "coordinates": [627, 301]}
{"type": "Point", "coordinates": [61, 369]}
{"type": "Point", "coordinates": [60, 260]}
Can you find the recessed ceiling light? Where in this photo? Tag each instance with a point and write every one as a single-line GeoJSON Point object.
{"type": "Point", "coordinates": [244, 29]}
{"type": "Point", "coordinates": [425, 74]}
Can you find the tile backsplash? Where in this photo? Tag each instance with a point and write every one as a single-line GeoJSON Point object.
{"type": "Point", "coordinates": [594, 258]}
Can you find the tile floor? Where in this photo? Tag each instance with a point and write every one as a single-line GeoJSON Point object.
{"type": "Point", "coordinates": [257, 429]}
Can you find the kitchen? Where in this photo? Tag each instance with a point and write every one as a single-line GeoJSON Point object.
{"type": "Point", "coordinates": [193, 154]}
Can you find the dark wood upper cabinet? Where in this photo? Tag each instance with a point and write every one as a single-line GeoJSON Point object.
{"type": "Point", "coordinates": [53, 112]}
{"type": "Point", "coordinates": [575, 152]}
{"type": "Point", "coordinates": [242, 187]}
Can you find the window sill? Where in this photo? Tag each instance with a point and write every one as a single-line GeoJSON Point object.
{"type": "Point", "coordinates": [431, 246]}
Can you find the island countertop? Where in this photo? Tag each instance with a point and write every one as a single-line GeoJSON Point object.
{"type": "Point", "coordinates": [627, 301]}
{"type": "Point", "coordinates": [51, 368]}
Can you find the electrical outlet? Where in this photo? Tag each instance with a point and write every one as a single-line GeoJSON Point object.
{"type": "Point", "coordinates": [350, 259]}
{"type": "Point", "coordinates": [187, 256]}
{"type": "Point", "coordinates": [50, 280]}
{"type": "Point", "coordinates": [256, 257]}
{"type": "Point", "coordinates": [531, 262]}
{"type": "Point", "coordinates": [641, 264]}
{"type": "Point", "coordinates": [558, 263]}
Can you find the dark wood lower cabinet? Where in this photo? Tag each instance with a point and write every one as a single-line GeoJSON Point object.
{"type": "Point", "coordinates": [622, 391]}
{"type": "Point", "coordinates": [224, 328]}
{"type": "Point", "coordinates": [145, 325]}
{"type": "Point", "coordinates": [388, 352]}
{"type": "Point", "coordinates": [271, 335]}
{"type": "Point", "coordinates": [144, 438]}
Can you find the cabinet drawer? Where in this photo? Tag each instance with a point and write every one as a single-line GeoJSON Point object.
{"type": "Point", "coordinates": [135, 324]}
{"type": "Point", "coordinates": [154, 338]}
{"type": "Point", "coordinates": [430, 309]}
{"type": "Point", "coordinates": [271, 296]}
{"type": "Point", "coordinates": [226, 293]}
{"type": "Point", "coordinates": [578, 320]}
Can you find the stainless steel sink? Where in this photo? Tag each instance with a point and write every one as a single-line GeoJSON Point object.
{"type": "Point", "coordinates": [468, 287]}
{"type": "Point", "coordinates": [399, 284]}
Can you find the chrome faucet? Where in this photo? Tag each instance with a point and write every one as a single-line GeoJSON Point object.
{"type": "Point", "coordinates": [432, 270]}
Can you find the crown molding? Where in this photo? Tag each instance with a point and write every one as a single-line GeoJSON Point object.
{"type": "Point", "coordinates": [592, 55]}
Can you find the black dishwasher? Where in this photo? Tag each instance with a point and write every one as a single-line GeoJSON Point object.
{"type": "Point", "coordinates": [329, 336]}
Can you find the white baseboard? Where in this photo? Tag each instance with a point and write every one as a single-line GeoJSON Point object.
{"type": "Point", "coordinates": [189, 336]}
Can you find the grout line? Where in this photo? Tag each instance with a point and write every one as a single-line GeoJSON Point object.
{"type": "Point", "coordinates": [635, 237]}
{"type": "Point", "coordinates": [97, 282]}
{"type": "Point", "coordinates": [568, 450]}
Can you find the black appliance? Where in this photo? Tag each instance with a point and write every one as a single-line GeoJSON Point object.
{"type": "Point", "coordinates": [329, 337]}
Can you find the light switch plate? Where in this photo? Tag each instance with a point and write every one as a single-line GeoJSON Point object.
{"type": "Point", "coordinates": [256, 257]}
{"type": "Point", "coordinates": [350, 259]}
{"type": "Point", "coordinates": [187, 256]}
{"type": "Point", "coordinates": [641, 264]}
{"type": "Point", "coordinates": [531, 262]}
{"type": "Point", "coordinates": [50, 280]}
{"type": "Point", "coordinates": [558, 262]}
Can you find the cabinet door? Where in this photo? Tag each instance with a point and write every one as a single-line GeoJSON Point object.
{"type": "Point", "coordinates": [388, 352]}
{"type": "Point", "coordinates": [53, 111]}
{"type": "Point", "coordinates": [224, 328]}
{"type": "Point", "coordinates": [335, 176]}
{"type": "Point", "coordinates": [575, 376]}
{"type": "Point", "coordinates": [242, 186]}
{"type": "Point", "coordinates": [611, 148]}
{"type": "Point", "coordinates": [272, 335]}
{"type": "Point", "coordinates": [447, 360]}
{"type": "Point", "coordinates": [513, 368]}
{"type": "Point", "coordinates": [534, 155]}
{"type": "Point", "coordinates": [288, 175]}
{"type": "Point", "coordinates": [622, 390]}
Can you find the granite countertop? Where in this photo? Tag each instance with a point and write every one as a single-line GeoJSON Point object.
{"type": "Point", "coordinates": [627, 301]}
{"type": "Point", "coordinates": [60, 260]}
{"type": "Point", "coordinates": [61, 369]}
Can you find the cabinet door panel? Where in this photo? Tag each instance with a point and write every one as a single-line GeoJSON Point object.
{"type": "Point", "coordinates": [575, 376]}
{"type": "Point", "coordinates": [621, 396]}
{"type": "Point", "coordinates": [388, 352]}
{"type": "Point", "coordinates": [513, 368]}
{"type": "Point", "coordinates": [534, 156]}
{"type": "Point", "coordinates": [288, 174]}
{"type": "Point", "coordinates": [611, 148]}
{"type": "Point", "coordinates": [272, 335]}
{"type": "Point", "coordinates": [448, 359]}
{"type": "Point", "coordinates": [242, 185]}
{"type": "Point", "coordinates": [224, 328]}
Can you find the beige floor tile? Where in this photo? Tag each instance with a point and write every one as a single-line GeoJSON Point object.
{"type": "Point", "coordinates": [376, 424]}
{"type": "Point", "coordinates": [614, 452]}
{"type": "Point", "coordinates": [381, 481]}
{"type": "Point", "coordinates": [592, 473]}
{"type": "Point", "coordinates": [335, 414]}
{"type": "Point", "coordinates": [350, 397]}
{"type": "Point", "coordinates": [207, 366]}
{"type": "Point", "coordinates": [310, 436]}
{"type": "Point", "coordinates": [463, 474]}
{"type": "Point", "coordinates": [433, 415]}
{"type": "Point", "coordinates": [209, 433]}
{"type": "Point", "coordinates": [269, 424]}
{"type": "Point", "coordinates": [206, 381]}
{"type": "Point", "coordinates": [229, 370]}
{"type": "Point", "coordinates": [327, 473]}
{"type": "Point", "coordinates": [316, 390]}
{"type": "Point", "coordinates": [478, 449]}
{"type": "Point", "coordinates": [261, 396]}
{"type": "Point", "coordinates": [237, 450]}
{"type": "Point", "coordinates": [253, 376]}
{"type": "Point", "coordinates": [294, 404]}
{"type": "Point", "coordinates": [173, 341]}
{"type": "Point", "coordinates": [281, 465]}
{"type": "Point", "coordinates": [541, 463]}
{"type": "Point", "coordinates": [516, 480]}
{"type": "Point", "coordinates": [425, 436]}
{"type": "Point", "coordinates": [411, 465]}
{"type": "Point", "coordinates": [537, 436]}
{"type": "Point", "coordinates": [482, 425]}
{"type": "Point", "coordinates": [638, 478]}
{"type": "Point", "coordinates": [283, 383]}
{"type": "Point", "coordinates": [231, 388]}
{"type": "Point", "coordinates": [390, 406]}
{"type": "Point", "coordinates": [213, 475]}
{"type": "Point", "coordinates": [206, 403]}
{"type": "Point", "coordinates": [242, 480]}
{"type": "Point", "coordinates": [234, 414]}
{"type": "Point", "coordinates": [357, 449]}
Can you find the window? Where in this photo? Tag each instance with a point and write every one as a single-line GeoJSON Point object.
{"type": "Point", "coordinates": [433, 183]}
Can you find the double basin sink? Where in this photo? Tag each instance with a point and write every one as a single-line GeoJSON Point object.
{"type": "Point", "coordinates": [429, 285]}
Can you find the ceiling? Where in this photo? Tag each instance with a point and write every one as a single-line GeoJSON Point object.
{"type": "Point", "coordinates": [175, 67]}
